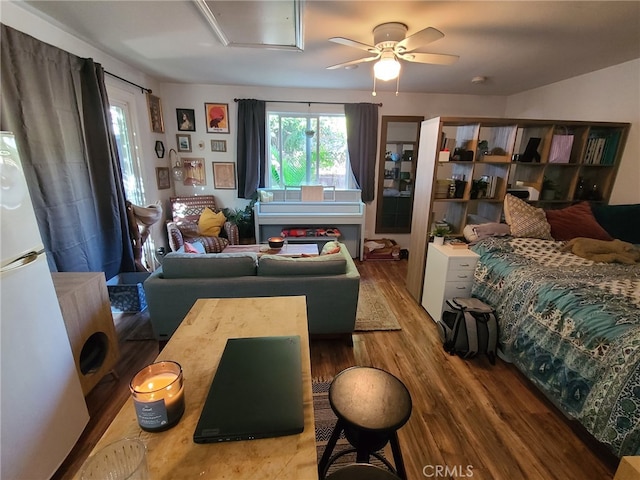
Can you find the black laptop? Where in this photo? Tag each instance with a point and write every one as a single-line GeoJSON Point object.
{"type": "Point", "coordinates": [255, 393]}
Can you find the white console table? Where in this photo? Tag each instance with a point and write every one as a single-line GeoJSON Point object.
{"type": "Point", "coordinates": [346, 213]}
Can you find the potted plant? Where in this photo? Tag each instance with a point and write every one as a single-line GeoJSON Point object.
{"type": "Point", "coordinates": [243, 218]}
{"type": "Point", "coordinates": [438, 233]}
{"type": "Point", "coordinates": [478, 188]}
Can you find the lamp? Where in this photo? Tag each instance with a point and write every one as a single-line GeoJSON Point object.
{"type": "Point", "coordinates": [177, 169]}
{"type": "Point", "coordinates": [387, 68]}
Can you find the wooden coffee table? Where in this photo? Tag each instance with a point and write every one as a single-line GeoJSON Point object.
{"type": "Point", "coordinates": [288, 250]}
{"type": "Point", "coordinates": [197, 346]}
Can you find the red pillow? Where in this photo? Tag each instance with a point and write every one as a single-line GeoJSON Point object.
{"type": "Point", "coordinates": [575, 221]}
{"type": "Point", "coordinates": [188, 248]}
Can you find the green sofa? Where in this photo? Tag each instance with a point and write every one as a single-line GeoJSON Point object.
{"type": "Point", "coordinates": [330, 283]}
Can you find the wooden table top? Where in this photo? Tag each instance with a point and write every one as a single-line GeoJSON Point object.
{"type": "Point", "coordinates": [197, 346]}
{"type": "Point", "coordinates": [288, 250]}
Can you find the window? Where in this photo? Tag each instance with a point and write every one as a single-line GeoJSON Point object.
{"type": "Point", "coordinates": [308, 149]}
{"type": "Point", "coordinates": [123, 123]}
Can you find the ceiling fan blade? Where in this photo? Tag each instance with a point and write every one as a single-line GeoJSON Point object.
{"type": "Point", "coordinates": [419, 39]}
{"type": "Point", "coordinates": [434, 58]}
{"type": "Point", "coordinates": [353, 62]}
{"type": "Point", "coordinates": [352, 43]}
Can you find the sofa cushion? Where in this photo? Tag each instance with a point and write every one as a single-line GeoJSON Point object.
{"type": "Point", "coordinates": [274, 265]}
{"type": "Point", "coordinates": [575, 221]}
{"type": "Point", "coordinates": [330, 247]}
{"type": "Point", "coordinates": [620, 221]}
{"type": "Point", "coordinates": [209, 265]}
{"type": "Point", "coordinates": [195, 247]}
{"type": "Point", "coordinates": [526, 220]}
{"type": "Point", "coordinates": [210, 223]}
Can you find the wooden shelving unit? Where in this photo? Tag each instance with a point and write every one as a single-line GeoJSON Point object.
{"type": "Point", "coordinates": [494, 148]}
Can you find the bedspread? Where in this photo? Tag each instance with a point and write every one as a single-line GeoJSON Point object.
{"type": "Point", "coordinates": [572, 326]}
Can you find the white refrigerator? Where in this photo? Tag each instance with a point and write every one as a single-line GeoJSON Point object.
{"type": "Point", "coordinates": [42, 407]}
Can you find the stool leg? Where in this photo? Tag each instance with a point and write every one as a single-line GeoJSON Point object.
{"type": "Point", "coordinates": [324, 461]}
{"type": "Point", "coordinates": [397, 456]}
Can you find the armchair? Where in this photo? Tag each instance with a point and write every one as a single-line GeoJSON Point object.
{"type": "Point", "coordinates": [185, 213]}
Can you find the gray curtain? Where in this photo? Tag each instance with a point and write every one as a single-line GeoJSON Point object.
{"type": "Point", "coordinates": [362, 142]}
{"type": "Point", "coordinates": [251, 144]}
{"type": "Point", "coordinates": [57, 107]}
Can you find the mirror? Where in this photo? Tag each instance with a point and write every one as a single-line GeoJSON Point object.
{"type": "Point", "coordinates": [399, 138]}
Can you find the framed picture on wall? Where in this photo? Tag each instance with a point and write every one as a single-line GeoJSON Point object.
{"type": "Point", "coordinates": [155, 113]}
{"type": "Point", "coordinates": [163, 179]}
{"type": "Point", "coordinates": [186, 118]}
{"type": "Point", "coordinates": [217, 117]}
{"type": "Point", "coordinates": [218, 145]}
{"type": "Point", "coordinates": [224, 175]}
{"type": "Point", "coordinates": [194, 172]}
{"type": "Point", "coordinates": [183, 141]}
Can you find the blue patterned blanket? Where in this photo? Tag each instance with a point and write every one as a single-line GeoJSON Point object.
{"type": "Point", "coordinates": [573, 327]}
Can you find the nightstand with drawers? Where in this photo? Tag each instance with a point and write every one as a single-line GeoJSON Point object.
{"type": "Point", "coordinates": [448, 274]}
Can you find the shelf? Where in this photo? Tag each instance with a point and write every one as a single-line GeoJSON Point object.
{"type": "Point", "coordinates": [591, 161]}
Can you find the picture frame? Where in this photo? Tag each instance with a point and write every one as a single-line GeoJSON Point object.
{"type": "Point", "coordinates": [216, 116]}
{"type": "Point", "coordinates": [163, 178]}
{"type": "Point", "coordinates": [154, 106]}
{"type": "Point", "coordinates": [159, 148]}
{"type": "Point", "coordinates": [218, 145]}
{"type": "Point", "coordinates": [183, 140]}
{"type": "Point", "coordinates": [195, 174]}
{"type": "Point", "coordinates": [224, 175]}
{"type": "Point", "coordinates": [186, 118]}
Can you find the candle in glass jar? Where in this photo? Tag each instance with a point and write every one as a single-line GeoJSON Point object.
{"type": "Point", "coordinates": [158, 395]}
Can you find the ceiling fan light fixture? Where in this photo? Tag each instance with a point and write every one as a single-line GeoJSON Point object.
{"type": "Point", "coordinates": [387, 68]}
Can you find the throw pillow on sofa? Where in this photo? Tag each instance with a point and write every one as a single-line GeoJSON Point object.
{"type": "Point", "coordinates": [273, 265]}
{"type": "Point", "coordinates": [526, 220]}
{"type": "Point", "coordinates": [620, 221]}
{"type": "Point", "coordinates": [575, 221]}
{"type": "Point", "coordinates": [216, 265]}
{"type": "Point", "coordinates": [210, 224]}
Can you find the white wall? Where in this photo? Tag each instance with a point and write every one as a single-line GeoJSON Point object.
{"type": "Point", "coordinates": [195, 96]}
{"type": "Point", "coordinates": [611, 94]}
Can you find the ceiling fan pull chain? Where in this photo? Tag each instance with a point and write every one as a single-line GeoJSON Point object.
{"type": "Point", "coordinates": [397, 84]}
{"type": "Point", "coordinates": [374, 87]}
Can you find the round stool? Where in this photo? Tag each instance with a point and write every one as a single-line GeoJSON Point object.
{"type": "Point", "coordinates": [371, 405]}
{"type": "Point", "coordinates": [362, 471]}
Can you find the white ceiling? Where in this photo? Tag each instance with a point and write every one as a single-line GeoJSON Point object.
{"type": "Point", "coordinates": [517, 45]}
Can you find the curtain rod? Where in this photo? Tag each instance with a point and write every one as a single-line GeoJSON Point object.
{"type": "Point", "coordinates": [309, 103]}
{"type": "Point", "coordinates": [142, 89]}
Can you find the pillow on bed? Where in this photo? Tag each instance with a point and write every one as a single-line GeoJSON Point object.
{"type": "Point", "coordinates": [526, 220]}
{"type": "Point", "coordinates": [575, 221]}
{"type": "Point", "coordinates": [620, 221]}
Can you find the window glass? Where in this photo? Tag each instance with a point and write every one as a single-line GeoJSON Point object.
{"type": "Point", "coordinates": [308, 149]}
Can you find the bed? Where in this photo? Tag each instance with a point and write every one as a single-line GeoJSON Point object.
{"type": "Point", "coordinates": [572, 326]}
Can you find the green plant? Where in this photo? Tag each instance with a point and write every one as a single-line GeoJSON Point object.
{"type": "Point", "coordinates": [243, 218]}
{"type": "Point", "coordinates": [440, 231]}
{"type": "Point", "coordinates": [548, 184]}
{"type": "Point", "coordinates": [478, 186]}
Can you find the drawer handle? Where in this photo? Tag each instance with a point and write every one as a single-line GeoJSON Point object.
{"type": "Point", "coordinates": [464, 264]}
{"type": "Point", "coordinates": [462, 276]}
{"type": "Point", "coordinates": [461, 288]}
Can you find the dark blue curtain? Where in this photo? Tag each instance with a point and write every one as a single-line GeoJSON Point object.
{"type": "Point", "coordinates": [251, 144]}
{"type": "Point", "coordinates": [56, 105]}
{"type": "Point", "coordinates": [362, 142]}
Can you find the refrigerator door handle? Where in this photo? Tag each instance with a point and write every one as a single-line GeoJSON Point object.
{"type": "Point", "coordinates": [22, 261]}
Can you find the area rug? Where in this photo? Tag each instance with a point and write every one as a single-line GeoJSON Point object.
{"type": "Point", "coordinates": [373, 310]}
{"type": "Point", "coordinates": [325, 421]}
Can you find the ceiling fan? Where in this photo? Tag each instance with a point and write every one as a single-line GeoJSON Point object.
{"type": "Point", "coordinates": [391, 44]}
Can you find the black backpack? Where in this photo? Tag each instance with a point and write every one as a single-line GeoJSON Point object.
{"type": "Point", "coordinates": [468, 328]}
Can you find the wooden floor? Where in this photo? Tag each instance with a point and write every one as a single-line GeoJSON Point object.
{"type": "Point", "coordinates": [469, 418]}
